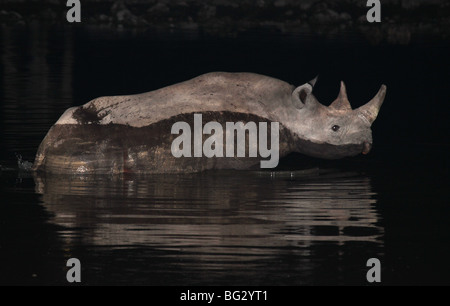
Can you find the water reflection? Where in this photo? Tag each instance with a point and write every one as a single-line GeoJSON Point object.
{"type": "Point", "coordinates": [218, 224]}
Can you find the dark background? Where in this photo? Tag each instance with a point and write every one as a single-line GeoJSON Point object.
{"type": "Point", "coordinates": [407, 51]}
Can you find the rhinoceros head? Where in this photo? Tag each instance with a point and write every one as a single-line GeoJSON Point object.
{"type": "Point", "coordinates": [335, 131]}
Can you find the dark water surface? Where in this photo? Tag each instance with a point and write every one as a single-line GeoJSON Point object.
{"type": "Point", "coordinates": [310, 222]}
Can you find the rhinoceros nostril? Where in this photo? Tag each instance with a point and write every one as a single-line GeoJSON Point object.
{"type": "Point", "coordinates": [366, 147]}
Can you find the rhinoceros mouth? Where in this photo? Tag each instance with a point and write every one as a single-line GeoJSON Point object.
{"type": "Point", "coordinates": [327, 150]}
{"type": "Point", "coordinates": [366, 148]}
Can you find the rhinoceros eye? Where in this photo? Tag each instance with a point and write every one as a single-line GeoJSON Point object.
{"type": "Point", "coordinates": [335, 128]}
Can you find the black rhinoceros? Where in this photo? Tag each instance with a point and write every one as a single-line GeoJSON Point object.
{"type": "Point", "coordinates": [135, 133]}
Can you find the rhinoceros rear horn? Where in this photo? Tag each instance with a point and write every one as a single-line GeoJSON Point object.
{"type": "Point", "coordinates": [370, 110]}
{"type": "Point", "coordinates": [341, 103]}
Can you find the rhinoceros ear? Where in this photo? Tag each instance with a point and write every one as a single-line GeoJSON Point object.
{"type": "Point", "coordinates": [313, 81]}
{"type": "Point", "coordinates": [300, 95]}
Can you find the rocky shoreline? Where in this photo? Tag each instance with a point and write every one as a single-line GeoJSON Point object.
{"type": "Point", "coordinates": [402, 21]}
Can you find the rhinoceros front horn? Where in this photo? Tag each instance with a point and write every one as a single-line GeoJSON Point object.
{"type": "Point", "coordinates": [370, 110]}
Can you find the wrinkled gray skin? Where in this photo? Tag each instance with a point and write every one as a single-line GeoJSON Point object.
{"type": "Point", "coordinates": [132, 133]}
